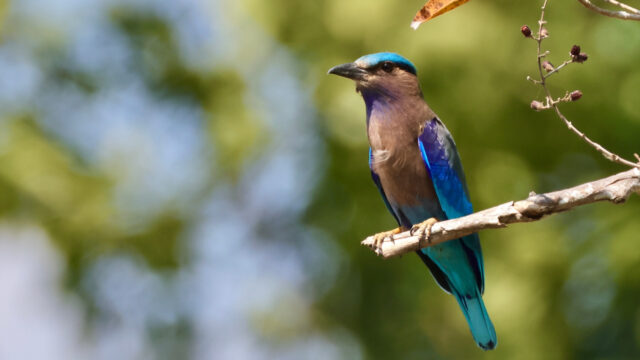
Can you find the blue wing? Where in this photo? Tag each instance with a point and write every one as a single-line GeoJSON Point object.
{"type": "Point", "coordinates": [441, 158]}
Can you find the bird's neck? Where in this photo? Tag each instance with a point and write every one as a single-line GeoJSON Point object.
{"type": "Point", "coordinates": [385, 105]}
{"type": "Point", "coordinates": [379, 104]}
{"type": "Point", "coordinates": [390, 97]}
{"type": "Point", "coordinates": [392, 119]}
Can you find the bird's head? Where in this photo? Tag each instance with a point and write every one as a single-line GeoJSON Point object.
{"type": "Point", "coordinates": [380, 72]}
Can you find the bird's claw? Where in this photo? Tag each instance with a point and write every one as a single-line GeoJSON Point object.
{"type": "Point", "coordinates": [381, 237]}
{"type": "Point", "coordinates": [423, 230]}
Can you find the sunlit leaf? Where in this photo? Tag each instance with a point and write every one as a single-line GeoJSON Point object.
{"type": "Point", "coordinates": [434, 8]}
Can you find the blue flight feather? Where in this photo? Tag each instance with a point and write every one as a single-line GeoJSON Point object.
{"type": "Point", "coordinates": [445, 168]}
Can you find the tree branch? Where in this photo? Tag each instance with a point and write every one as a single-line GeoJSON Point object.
{"type": "Point", "coordinates": [616, 189]}
{"type": "Point", "coordinates": [630, 14]}
{"type": "Point", "coordinates": [624, 6]}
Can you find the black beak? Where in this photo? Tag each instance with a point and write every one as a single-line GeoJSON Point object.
{"type": "Point", "coordinates": [349, 70]}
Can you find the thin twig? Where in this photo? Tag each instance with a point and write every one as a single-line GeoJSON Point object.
{"type": "Point", "coordinates": [616, 189]}
{"type": "Point", "coordinates": [606, 153]}
{"type": "Point", "coordinates": [540, 54]}
{"type": "Point", "coordinates": [621, 14]}
{"type": "Point", "coordinates": [555, 70]}
{"type": "Point", "coordinates": [535, 81]}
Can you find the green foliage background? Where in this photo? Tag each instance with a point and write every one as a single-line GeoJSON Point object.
{"type": "Point", "coordinates": [202, 186]}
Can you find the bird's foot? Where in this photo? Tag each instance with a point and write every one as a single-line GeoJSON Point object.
{"type": "Point", "coordinates": [379, 238]}
{"type": "Point", "coordinates": [423, 230]}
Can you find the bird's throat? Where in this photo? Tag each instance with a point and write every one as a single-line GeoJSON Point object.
{"type": "Point", "coordinates": [380, 105]}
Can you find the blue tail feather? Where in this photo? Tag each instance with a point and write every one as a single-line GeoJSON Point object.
{"type": "Point", "coordinates": [479, 323]}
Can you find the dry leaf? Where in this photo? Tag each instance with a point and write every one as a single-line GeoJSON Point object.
{"type": "Point", "coordinates": [434, 8]}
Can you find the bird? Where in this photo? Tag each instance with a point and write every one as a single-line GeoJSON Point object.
{"type": "Point", "coordinates": [415, 164]}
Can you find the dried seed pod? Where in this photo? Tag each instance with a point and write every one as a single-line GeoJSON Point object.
{"type": "Point", "coordinates": [575, 50]}
{"type": "Point", "coordinates": [526, 31]}
{"type": "Point", "coordinates": [582, 57]}
{"type": "Point", "coordinates": [575, 95]}
{"type": "Point", "coordinates": [537, 105]}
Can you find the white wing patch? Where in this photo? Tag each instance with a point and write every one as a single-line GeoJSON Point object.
{"type": "Point", "coordinates": [380, 156]}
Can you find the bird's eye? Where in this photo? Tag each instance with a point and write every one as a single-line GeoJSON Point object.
{"type": "Point", "coordinates": [387, 66]}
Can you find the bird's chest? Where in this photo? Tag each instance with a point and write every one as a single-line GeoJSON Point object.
{"type": "Point", "coordinates": [403, 174]}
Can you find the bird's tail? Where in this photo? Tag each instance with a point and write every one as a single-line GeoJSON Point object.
{"type": "Point", "coordinates": [479, 323]}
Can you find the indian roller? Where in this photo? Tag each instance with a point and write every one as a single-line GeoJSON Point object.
{"type": "Point", "coordinates": [416, 166]}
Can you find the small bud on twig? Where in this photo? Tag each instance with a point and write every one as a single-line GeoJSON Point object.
{"type": "Point", "coordinates": [575, 51]}
{"type": "Point", "coordinates": [525, 31]}
{"type": "Point", "coordinates": [547, 66]}
{"type": "Point", "coordinates": [544, 33]}
{"type": "Point", "coordinates": [537, 105]}
{"type": "Point", "coordinates": [575, 95]}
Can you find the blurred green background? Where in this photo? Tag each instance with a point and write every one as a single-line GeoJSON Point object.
{"type": "Point", "coordinates": [182, 180]}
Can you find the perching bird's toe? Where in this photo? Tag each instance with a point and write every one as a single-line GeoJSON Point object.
{"type": "Point", "coordinates": [423, 230]}
{"type": "Point", "coordinates": [380, 237]}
